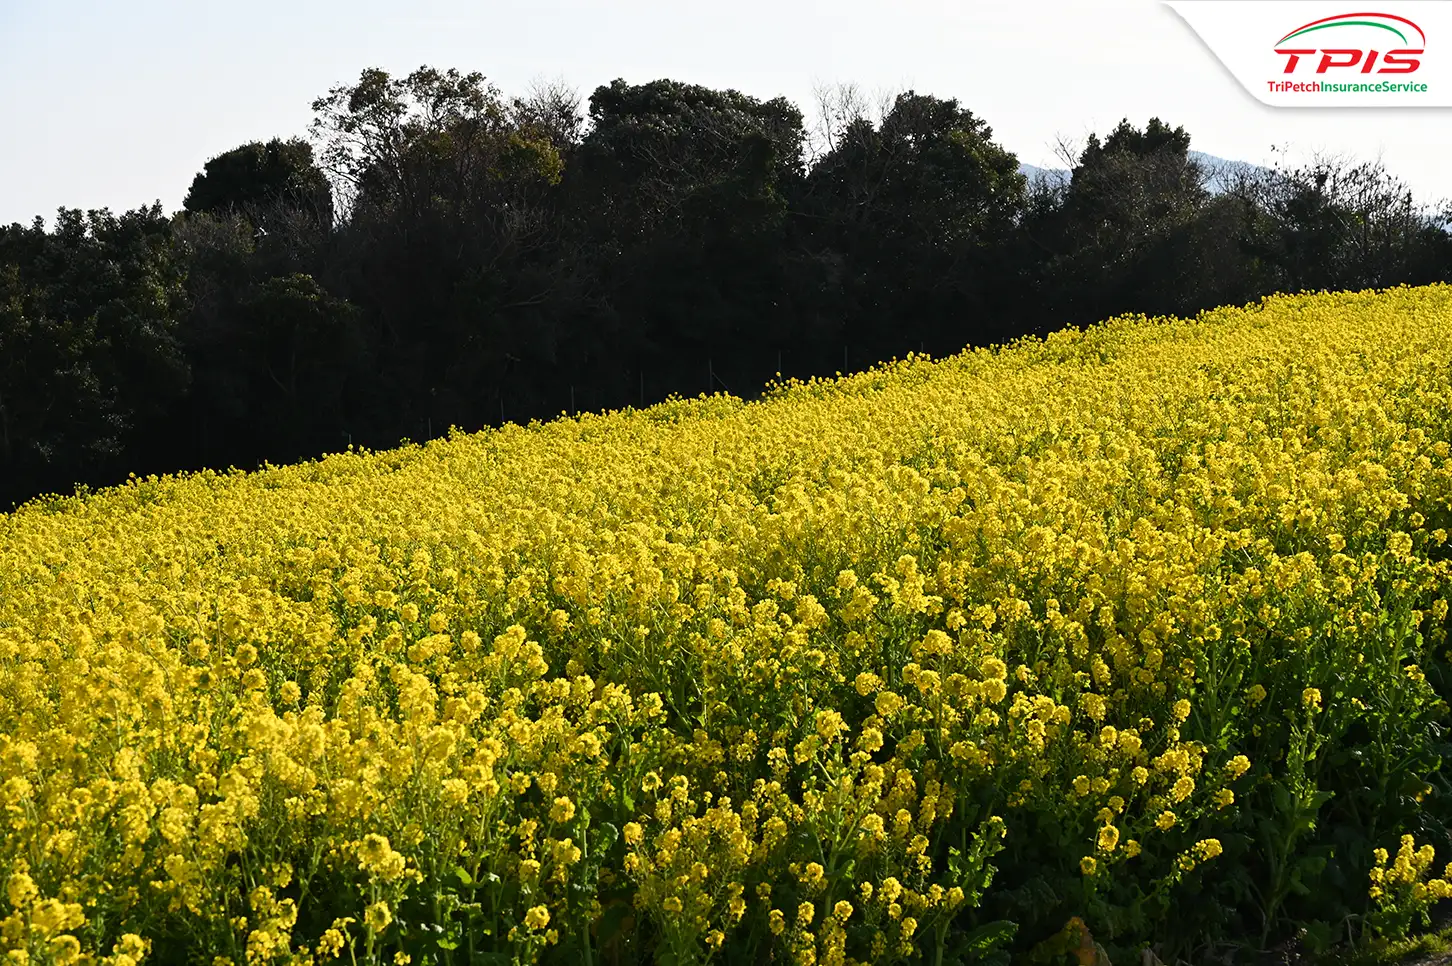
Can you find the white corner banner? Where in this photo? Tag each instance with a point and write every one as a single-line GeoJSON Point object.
{"type": "Point", "coordinates": [1308, 53]}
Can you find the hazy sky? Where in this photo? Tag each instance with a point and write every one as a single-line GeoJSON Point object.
{"type": "Point", "coordinates": [120, 104]}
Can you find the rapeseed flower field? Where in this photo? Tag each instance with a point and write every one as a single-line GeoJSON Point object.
{"type": "Point", "coordinates": [1142, 628]}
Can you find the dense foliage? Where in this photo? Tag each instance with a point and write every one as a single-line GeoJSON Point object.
{"type": "Point", "coordinates": [1141, 629]}
{"type": "Point", "coordinates": [441, 254]}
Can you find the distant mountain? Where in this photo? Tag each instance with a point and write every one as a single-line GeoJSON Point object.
{"type": "Point", "coordinates": [1033, 172]}
{"type": "Point", "coordinates": [1221, 171]}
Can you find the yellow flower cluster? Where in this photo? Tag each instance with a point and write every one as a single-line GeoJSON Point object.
{"type": "Point", "coordinates": [1401, 890]}
{"type": "Point", "coordinates": [785, 673]}
{"type": "Point", "coordinates": [1408, 869]}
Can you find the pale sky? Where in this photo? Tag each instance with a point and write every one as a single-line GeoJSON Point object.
{"type": "Point", "coordinates": [120, 104]}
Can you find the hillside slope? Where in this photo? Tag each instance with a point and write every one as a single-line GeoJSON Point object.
{"type": "Point", "coordinates": [1151, 619]}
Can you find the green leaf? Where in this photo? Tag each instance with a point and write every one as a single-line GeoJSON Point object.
{"type": "Point", "coordinates": [1318, 936]}
{"type": "Point", "coordinates": [610, 921]}
{"type": "Point", "coordinates": [989, 935]}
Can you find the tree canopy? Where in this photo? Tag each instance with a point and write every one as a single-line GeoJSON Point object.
{"type": "Point", "coordinates": [440, 253]}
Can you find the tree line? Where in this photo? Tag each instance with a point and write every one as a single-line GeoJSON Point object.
{"type": "Point", "coordinates": [436, 253]}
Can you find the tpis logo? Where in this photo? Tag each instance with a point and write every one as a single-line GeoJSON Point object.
{"type": "Point", "coordinates": [1354, 43]}
{"type": "Point", "coordinates": [1293, 53]}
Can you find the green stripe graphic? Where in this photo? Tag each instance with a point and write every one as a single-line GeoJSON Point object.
{"type": "Point", "coordinates": [1343, 23]}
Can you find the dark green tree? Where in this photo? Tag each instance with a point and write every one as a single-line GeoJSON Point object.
{"type": "Point", "coordinates": [1120, 238]}
{"type": "Point", "coordinates": [263, 180]}
{"type": "Point", "coordinates": [89, 352]}
{"type": "Point", "coordinates": [682, 194]}
{"type": "Point", "coordinates": [913, 212]}
{"type": "Point", "coordinates": [1343, 224]}
{"type": "Point", "coordinates": [453, 241]}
